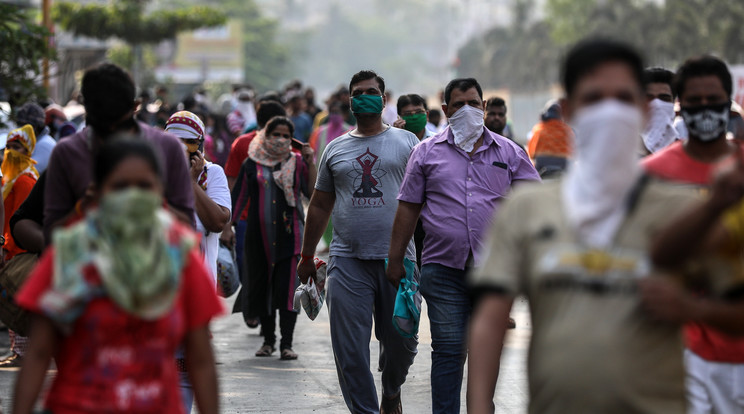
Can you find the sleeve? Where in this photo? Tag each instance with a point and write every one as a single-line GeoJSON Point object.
{"type": "Point", "coordinates": [178, 191]}
{"type": "Point", "coordinates": [325, 175]}
{"type": "Point", "coordinates": [240, 195]}
{"type": "Point", "coordinates": [523, 170]}
{"type": "Point", "coordinates": [59, 196]}
{"type": "Point", "coordinates": [413, 187]}
{"type": "Point", "coordinates": [502, 269]}
{"type": "Point", "coordinates": [217, 188]}
{"type": "Point", "coordinates": [238, 151]}
{"type": "Point", "coordinates": [38, 282]}
{"type": "Point", "coordinates": [199, 294]}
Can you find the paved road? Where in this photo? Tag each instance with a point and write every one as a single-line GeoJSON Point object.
{"type": "Point", "coordinates": [253, 385]}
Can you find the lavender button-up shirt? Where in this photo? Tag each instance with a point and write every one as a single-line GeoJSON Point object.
{"type": "Point", "coordinates": [461, 193]}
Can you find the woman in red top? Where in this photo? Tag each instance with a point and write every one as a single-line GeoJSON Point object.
{"type": "Point", "coordinates": [116, 294]}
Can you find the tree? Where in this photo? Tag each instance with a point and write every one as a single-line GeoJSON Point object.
{"type": "Point", "coordinates": [23, 46]}
{"type": "Point", "coordinates": [128, 21]}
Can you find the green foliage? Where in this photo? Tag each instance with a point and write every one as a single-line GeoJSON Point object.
{"type": "Point", "coordinates": [127, 20]}
{"type": "Point", "coordinates": [527, 57]}
{"type": "Point", "coordinates": [23, 46]}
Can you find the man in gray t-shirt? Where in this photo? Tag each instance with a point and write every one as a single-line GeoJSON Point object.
{"type": "Point", "coordinates": [359, 176]}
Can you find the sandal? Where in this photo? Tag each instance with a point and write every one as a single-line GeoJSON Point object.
{"type": "Point", "coordinates": [265, 350]}
{"type": "Point", "coordinates": [391, 405]}
{"type": "Point", "coordinates": [288, 355]}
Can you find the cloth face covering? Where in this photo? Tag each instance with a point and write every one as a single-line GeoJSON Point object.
{"type": "Point", "coordinates": [660, 132]}
{"type": "Point", "coordinates": [15, 163]}
{"type": "Point", "coordinates": [366, 104]}
{"type": "Point", "coordinates": [467, 126]}
{"type": "Point", "coordinates": [603, 171]}
{"type": "Point", "coordinates": [707, 122]}
{"type": "Point", "coordinates": [415, 122]}
{"type": "Point", "coordinates": [136, 248]}
{"type": "Point", "coordinates": [272, 151]}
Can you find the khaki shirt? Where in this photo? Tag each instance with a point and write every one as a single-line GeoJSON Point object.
{"type": "Point", "coordinates": [592, 348]}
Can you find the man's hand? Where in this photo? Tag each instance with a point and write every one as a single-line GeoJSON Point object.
{"type": "Point", "coordinates": [728, 185]}
{"type": "Point", "coordinates": [664, 299]}
{"type": "Point", "coordinates": [395, 272]}
{"type": "Point", "coordinates": [399, 123]}
{"type": "Point", "coordinates": [228, 236]}
{"type": "Point", "coordinates": [306, 269]}
{"type": "Point", "coordinates": [308, 154]}
{"type": "Point", "coordinates": [197, 165]}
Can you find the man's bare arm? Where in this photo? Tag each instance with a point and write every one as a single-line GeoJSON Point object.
{"type": "Point", "coordinates": [403, 227]}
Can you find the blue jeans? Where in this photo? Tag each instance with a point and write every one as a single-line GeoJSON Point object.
{"type": "Point", "coordinates": [449, 307]}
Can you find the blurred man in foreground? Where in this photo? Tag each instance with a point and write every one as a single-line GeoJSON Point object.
{"type": "Point", "coordinates": [577, 248]}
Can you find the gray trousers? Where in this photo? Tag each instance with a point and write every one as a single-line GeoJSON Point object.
{"type": "Point", "coordinates": [357, 292]}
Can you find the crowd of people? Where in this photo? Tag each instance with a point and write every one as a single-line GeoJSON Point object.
{"type": "Point", "coordinates": [621, 221]}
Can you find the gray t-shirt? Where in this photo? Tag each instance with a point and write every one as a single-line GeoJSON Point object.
{"type": "Point", "coordinates": [365, 173]}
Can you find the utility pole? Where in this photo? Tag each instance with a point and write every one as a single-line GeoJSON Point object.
{"type": "Point", "coordinates": [46, 22]}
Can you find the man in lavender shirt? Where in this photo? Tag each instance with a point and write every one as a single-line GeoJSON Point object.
{"type": "Point", "coordinates": [109, 99]}
{"type": "Point", "coordinates": [455, 181]}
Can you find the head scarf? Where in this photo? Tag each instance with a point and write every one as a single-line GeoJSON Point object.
{"type": "Point", "coordinates": [138, 249]}
{"type": "Point", "coordinates": [16, 164]}
{"type": "Point", "coordinates": [272, 151]}
{"type": "Point", "coordinates": [185, 125]}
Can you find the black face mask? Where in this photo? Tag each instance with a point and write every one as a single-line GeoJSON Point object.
{"type": "Point", "coordinates": [706, 123]}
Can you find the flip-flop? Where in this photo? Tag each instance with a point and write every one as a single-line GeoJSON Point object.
{"type": "Point", "coordinates": [288, 355]}
{"type": "Point", "coordinates": [265, 350]}
{"type": "Point", "coordinates": [391, 405]}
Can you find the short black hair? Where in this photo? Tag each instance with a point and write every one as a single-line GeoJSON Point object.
{"type": "Point", "coordinates": [114, 151]}
{"type": "Point", "coordinates": [267, 110]}
{"type": "Point", "coordinates": [108, 92]}
{"type": "Point", "coordinates": [435, 113]}
{"type": "Point", "coordinates": [495, 101]}
{"type": "Point", "coordinates": [364, 75]}
{"type": "Point", "coordinates": [705, 65]}
{"type": "Point", "coordinates": [659, 75]}
{"type": "Point", "coordinates": [410, 99]}
{"type": "Point", "coordinates": [279, 120]}
{"type": "Point", "coordinates": [587, 55]}
{"type": "Point", "coordinates": [461, 84]}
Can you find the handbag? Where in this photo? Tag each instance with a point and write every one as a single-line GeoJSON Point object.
{"type": "Point", "coordinates": [12, 277]}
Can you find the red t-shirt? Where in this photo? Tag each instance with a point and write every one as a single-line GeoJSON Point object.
{"type": "Point", "coordinates": [115, 362]}
{"type": "Point", "coordinates": [21, 189]}
{"type": "Point", "coordinates": [238, 154]}
{"type": "Point", "coordinates": [674, 164]}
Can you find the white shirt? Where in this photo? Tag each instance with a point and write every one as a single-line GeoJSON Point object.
{"type": "Point", "coordinates": [219, 192]}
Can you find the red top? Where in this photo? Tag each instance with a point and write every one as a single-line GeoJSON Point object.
{"type": "Point", "coordinates": [21, 188]}
{"type": "Point", "coordinates": [674, 164]}
{"type": "Point", "coordinates": [114, 362]}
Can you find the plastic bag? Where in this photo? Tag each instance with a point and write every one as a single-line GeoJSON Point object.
{"type": "Point", "coordinates": [228, 279]}
{"type": "Point", "coordinates": [407, 310]}
{"type": "Point", "coordinates": [310, 296]}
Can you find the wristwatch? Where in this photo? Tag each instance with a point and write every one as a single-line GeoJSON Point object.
{"type": "Point", "coordinates": [2, 240]}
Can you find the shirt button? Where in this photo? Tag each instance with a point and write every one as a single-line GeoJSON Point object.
{"type": "Point", "coordinates": [273, 244]}
{"type": "Point", "coordinates": [471, 162]}
{"type": "Point", "coordinates": [470, 194]}
{"type": "Point", "coordinates": [470, 179]}
{"type": "Point", "coordinates": [274, 221]}
{"type": "Point", "coordinates": [471, 210]}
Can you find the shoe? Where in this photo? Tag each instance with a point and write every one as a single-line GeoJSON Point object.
{"type": "Point", "coordinates": [265, 351]}
{"type": "Point", "coordinates": [12, 361]}
{"type": "Point", "coordinates": [251, 322]}
{"type": "Point", "coordinates": [288, 355]}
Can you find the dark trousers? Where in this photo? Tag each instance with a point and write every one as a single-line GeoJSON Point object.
{"type": "Point", "coordinates": [287, 321]}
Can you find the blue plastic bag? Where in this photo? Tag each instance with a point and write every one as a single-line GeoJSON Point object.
{"type": "Point", "coordinates": [407, 311]}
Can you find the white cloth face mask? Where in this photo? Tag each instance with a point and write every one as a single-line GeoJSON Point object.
{"type": "Point", "coordinates": [659, 132]}
{"type": "Point", "coordinates": [467, 126]}
{"type": "Point", "coordinates": [604, 170]}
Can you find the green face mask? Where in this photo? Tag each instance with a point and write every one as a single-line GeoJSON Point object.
{"type": "Point", "coordinates": [415, 122]}
{"type": "Point", "coordinates": [366, 104]}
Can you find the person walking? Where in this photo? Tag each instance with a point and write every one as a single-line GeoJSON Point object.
{"type": "Point", "coordinates": [116, 294]}
{"type": "Point", "coordinates": [271, 182]}
{"type": "Point", "coordinates": [455, 181]}
{"type": "Point", "coordinates": [358, 177]}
